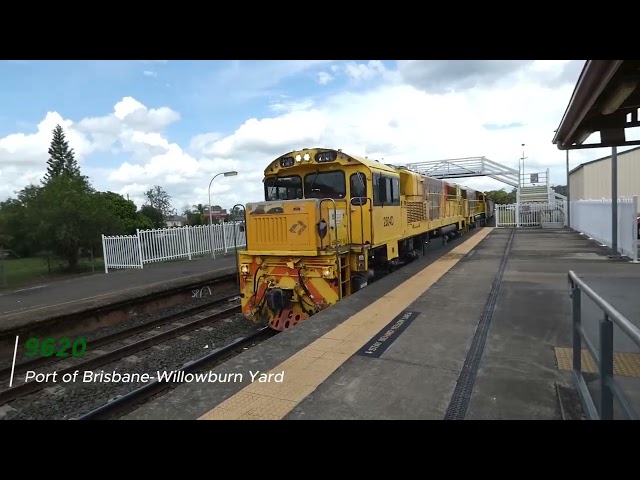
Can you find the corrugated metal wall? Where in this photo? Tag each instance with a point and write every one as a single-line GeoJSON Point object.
{"type": "Point", "coordinates": [577, 185]}
{"type": "Point", "coordinates": [594, 179]}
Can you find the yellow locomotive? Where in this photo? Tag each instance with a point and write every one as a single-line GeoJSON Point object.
{"type": "Point", "coordinates": [330, 221]}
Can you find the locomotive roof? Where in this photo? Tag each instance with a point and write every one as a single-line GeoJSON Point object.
{"type": "Point", "coordinates": [367, 162]}
{"type": "Point", "coordinates": [371, 163]}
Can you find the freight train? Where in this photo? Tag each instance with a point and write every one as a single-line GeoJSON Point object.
{"type": "Point", "coordinates": [330, 221]}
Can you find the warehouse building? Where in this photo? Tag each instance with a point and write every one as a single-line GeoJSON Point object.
{"type": "Point", "coordinates": [592, 180]}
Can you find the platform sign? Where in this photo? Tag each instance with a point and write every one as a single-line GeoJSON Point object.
{"type": "Point", "coordinates": [534, 178]}
{"type": "Point", "coordinates": [385, 337]}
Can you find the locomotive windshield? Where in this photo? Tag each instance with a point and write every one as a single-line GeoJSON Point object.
{"type": "Point", "coordinates": [282, 188]}
{"type": "Point", "coordinates": [325, 185]}
{"type": "Point", "coordinates": [316, 185]}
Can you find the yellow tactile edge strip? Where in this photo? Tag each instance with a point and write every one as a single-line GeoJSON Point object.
{"type": "Point", "coordinates": [624, 364]}
{"type": "Point", "coordinates": [307, 369]}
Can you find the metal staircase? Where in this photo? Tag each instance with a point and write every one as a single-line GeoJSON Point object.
{"type": "Point", "coordinates": [534, 194]}
{"type": "Point", "coordinates": [535, 188]}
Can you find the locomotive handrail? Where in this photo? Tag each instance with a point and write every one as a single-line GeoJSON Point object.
{"type": "Point", "coordinates": [609, 388]}
{"type": "Point", "coordinates": [370, 203]}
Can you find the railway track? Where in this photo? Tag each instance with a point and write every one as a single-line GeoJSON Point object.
{"type": "Point", "coordinates": [203, 315]}
{"type": "Point", "coordinates": [126, 403]}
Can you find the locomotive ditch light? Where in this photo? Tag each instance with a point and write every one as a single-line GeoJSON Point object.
{"type": "Point", "coordinates": [244, 269]}
{"type": "Point", "coordinates": [327, 272]}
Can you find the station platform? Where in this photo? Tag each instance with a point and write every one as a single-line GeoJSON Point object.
{"type": "Point", "coordinates": [477, 329]}
{"type": "Point", "coordinates": [98, 289]}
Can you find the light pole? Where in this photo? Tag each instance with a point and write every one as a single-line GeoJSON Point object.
{"type": "Point", "coordinates": [226, 174]}
{"type": "Point", "coordinates": [235, 232]}
{"type": "Point", "coordinates": [523, 158]}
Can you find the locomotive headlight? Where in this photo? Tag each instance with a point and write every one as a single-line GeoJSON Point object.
{"type": "Point", "coordinates": [307, 157]}
{"type": "Point", "coordinates": [298, 158]}
{"type": "Point", "coordinates": [244, 268]}
{"type": "Point", "coordinates": [360, 257]}
{"type": "Point", "coordinates": [326, 272]}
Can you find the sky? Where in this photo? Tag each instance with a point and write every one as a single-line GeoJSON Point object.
{"type": "Point", "coordinates": [176, 123]}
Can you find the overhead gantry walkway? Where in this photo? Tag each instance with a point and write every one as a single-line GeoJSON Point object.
{"type": "Point", "coordinates": [531, 187]}
{"type": "Point", "coordinates": [533, 190]}
{"type": "Point", "coordinates": [467, 167]}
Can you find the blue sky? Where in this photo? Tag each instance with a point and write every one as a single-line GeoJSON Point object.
{"type": "Point", "coordinates": [181, 121]}
{"type": "Point", "coordinates": [211, 95]}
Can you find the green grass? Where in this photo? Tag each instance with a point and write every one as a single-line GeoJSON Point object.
{"type": "Point", "coordinates": [22, 272]}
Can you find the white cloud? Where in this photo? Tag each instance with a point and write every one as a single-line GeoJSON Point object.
{"type": "Point", "coordinates": [364, 71]}
{"type": "Point", "coordinates": [291, 105]}
{"type": "Point", "coordinates": [149, 73]}
{"type": "Point", "coordinates": [324, 78]}
{"type": "Point", "coordinates": [400, 121]}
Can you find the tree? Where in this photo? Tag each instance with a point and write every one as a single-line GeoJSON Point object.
{"type": "Point", "coordinates": [561, 189]}
{"type": "Point", "coordinates": [118, 214]}
{"type": "Point", "coordinates": [68, 217]}
{"type": "Point", "coordinates": [17, 220]}
{"type": "Point", "coordinates": [160, 200]}
{"type": "Point", "coordinates": [151, 216]}
{"type": "Point", "coordinates": [61, 157]}
{"type": "Point", "coordinates": [192, 215]}
{"type": "Point", "coordinates": [502, 196]}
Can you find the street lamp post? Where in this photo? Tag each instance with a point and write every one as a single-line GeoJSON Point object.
{"type": "Point", "coordinates": [235, 233]}
{"type": "Point", "coordinates": [226, 174]}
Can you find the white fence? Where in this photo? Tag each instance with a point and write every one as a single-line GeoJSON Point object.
{"type": "Point", "coordinates": [593, 218]}
{"type": "Point", "coordinates": [529, 214]}
{"type": "Point", "coordinates": [158, 245]}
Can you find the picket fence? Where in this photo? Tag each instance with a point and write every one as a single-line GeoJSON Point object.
{"type": "Point", "coordinates": [530, 214]}
{"type": "Point", "coordinates": [162, 244]}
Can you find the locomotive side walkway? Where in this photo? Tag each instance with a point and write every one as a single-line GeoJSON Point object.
{"type": "Point", "coordinates": [90, 291]}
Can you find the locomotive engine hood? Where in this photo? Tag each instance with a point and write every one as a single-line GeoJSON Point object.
{"type": "Point", "coordinates": [300, 225]}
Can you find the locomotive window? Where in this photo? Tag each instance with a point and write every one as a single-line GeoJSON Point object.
{"type": "Point", "coordinates": [282, 188]}
{"type": "Point", "coordinates": [395, 191]}
{"type": "Point", "coordinates": [358, 188]}
{"type": "Point", "coordinates": [386, 190]}
{"type": "Point", "coordinates": [325, 185]}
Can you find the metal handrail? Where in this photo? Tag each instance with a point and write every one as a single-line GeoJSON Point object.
{"type": "Point", "coordinates": [609, 388]}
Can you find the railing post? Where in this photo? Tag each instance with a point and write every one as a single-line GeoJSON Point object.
{"type": "Point", "coordinates": [139, 247]}
{"type": "Point", "coordinates": [606, 368]}
{"type": "Point", "coordinates": [104, 255]}
{"type": "Point", "coordinates": [224, 237]}
{"type": "Point", "coordinates": [187, 232]}
{"type": "Point", "coordinates": [576, 295]}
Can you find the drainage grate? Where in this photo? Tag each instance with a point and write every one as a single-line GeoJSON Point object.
{"type": "Point", "coordinates": [462, 394]}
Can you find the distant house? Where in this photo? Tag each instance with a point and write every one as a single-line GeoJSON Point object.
{"type": "Point", "coordinates": [176, 221]}
{"type": "Point", "coordinates": [215, 214]}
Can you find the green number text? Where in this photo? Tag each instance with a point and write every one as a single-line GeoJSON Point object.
{"type": "Point", "coordinates": [48, 347]}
